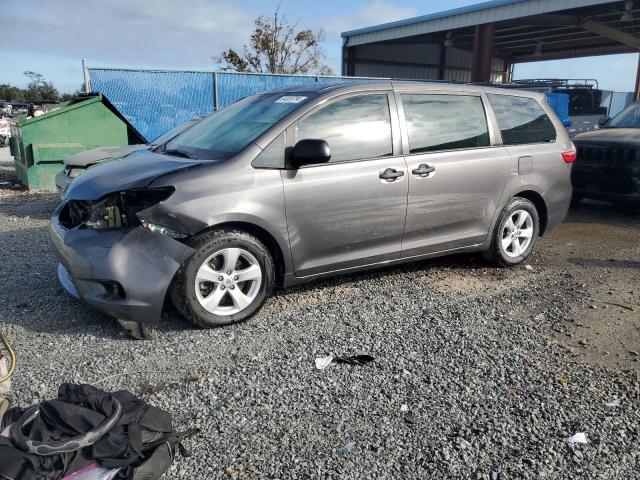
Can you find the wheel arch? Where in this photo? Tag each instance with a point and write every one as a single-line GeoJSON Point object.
{"type": "Point", "coordinates": [541, 206]}
{"type": "Point", "coordinates": [264, 236]}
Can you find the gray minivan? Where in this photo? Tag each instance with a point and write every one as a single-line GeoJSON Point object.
{"type": "Point", "coordinates": [288, 186]}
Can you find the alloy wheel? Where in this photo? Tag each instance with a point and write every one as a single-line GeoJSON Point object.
{"type": "Point", "coordinates": [228, 281]}
{"type": "Point", "coordinates": [517, 233]}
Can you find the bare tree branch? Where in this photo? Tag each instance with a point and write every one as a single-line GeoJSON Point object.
{"type": "Point", "coordinates": [277, 46]}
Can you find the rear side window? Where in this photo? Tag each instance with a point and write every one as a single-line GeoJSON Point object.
{"type": "Point", "coordinates": [445, 122]}
{"type": "Point", "coordinates": [355, 128]}
{"type": "Point", "coordinates": [521, 120]}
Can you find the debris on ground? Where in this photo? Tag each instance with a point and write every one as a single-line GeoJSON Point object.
{"type": "Point", "coordinates": [235, 471]}
{"type": "Point", "coordinates": [577, 438]}
{"type": "Point", "coordinates": [324, 362]}
{"type": "Point", "coordinates": [348, 446]}
{"type": "Point", "coordinates": [529, 267]}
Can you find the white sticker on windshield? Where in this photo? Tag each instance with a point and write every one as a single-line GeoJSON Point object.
{"type": "Point", "coordinates": [290, 99]}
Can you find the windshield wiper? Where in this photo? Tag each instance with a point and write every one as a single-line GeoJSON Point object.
{"type": "Point", "coordinates": [178, 153]}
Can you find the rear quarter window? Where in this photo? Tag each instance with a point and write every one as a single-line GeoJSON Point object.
{"type": "Point", "coordinates": [521, 120]}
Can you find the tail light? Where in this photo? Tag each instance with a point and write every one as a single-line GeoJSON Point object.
{"type": "Point", "coordinates": [569, 156]}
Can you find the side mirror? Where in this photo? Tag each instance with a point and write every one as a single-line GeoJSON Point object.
{"type": "Point", "coordinates": [309, 151]}
{"type": "Point", "coordinates": [602, 123]}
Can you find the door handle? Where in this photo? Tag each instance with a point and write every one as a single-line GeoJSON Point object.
{"type": "Point", "coordinates": [423, 170]}
{"type": "Point", "coordinates": [391, 174]}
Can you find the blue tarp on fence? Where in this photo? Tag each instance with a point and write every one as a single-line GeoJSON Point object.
{"type": "Point", "coordinates": [155, 101]}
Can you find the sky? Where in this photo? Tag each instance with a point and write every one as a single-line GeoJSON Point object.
{"type": "Point", "coordinates": [52, 36]}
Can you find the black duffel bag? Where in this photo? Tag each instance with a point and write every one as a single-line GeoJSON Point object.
{"type": "Point", "coordinates": [85, 426]}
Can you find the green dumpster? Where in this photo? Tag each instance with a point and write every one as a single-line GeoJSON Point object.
{"type": "Point", "coordinates": [40, 144]}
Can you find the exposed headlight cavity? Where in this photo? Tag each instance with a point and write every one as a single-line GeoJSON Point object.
{"type": "Point", "coordinates": [116, 210]}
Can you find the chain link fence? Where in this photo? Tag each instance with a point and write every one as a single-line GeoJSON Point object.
{"type": "Point", "coordinates": [155, 101]}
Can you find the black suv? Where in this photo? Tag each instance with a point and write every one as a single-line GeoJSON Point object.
{"type": "Point", "coordinates": [608, 162]}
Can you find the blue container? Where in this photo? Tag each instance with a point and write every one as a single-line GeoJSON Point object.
{"type": "Point", "coordinates": [560, 104]}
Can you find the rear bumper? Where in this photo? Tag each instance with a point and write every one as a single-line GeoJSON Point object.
{"type": "Point", "coordinates": [122, 273]}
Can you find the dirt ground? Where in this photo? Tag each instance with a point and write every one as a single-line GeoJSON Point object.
{"type": "Point", "coordinates": [599, 246]}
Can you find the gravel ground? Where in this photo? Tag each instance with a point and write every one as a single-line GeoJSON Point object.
{"type": "Point", "coordinates": [466, 381]}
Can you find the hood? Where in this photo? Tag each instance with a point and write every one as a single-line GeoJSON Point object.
{"type": "Point", "coordinates": [137, 170]}
{"type": "Point", "coordinates": [96, 155]}
{"type": "Point", "coordinates": [610, 135]}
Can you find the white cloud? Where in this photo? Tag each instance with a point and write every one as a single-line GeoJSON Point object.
{"type": "Point", "coordinates": [143, 32]}
{"type": "Point", "coordinates": [376, 12]}
{"type": "Point", "coordinates": [185, 34]}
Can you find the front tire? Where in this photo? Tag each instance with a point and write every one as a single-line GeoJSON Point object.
{"type": "Point", "coordinates": [225, 281]}
{"type": "Point", "coordinates": [515, 233]}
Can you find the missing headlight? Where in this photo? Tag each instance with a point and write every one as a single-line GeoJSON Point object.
{"type": "Point", "coordinates": [116, 210]}
{"type": "Point", "coordinates": [106, 214]}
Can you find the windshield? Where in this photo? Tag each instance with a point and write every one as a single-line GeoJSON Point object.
{"type": "Point", "coordinates": [627, 118]}
{"type": "Point", "coordinates": [174, 132]}
{"type": "Point", "coordinates": [232, 129]}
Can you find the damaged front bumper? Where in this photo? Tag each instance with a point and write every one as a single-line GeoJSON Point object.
{"type": "Point", "coordinates": [124, 273]}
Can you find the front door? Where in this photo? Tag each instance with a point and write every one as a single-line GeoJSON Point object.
{"type": "Point", "coordinates": [456, 176]}
{"type": "Point", "coordinates": [350, 211]}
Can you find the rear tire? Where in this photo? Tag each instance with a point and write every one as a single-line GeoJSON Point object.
{"type": "Point", "coordinates": [225, 281]}
{"type": "Point", "coordinates": [515, 233]}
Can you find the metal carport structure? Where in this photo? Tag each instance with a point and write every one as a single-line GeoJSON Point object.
{"type": "Point", "coordinates": [482, 42]}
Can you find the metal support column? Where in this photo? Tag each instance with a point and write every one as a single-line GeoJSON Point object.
{"type": "Point", "coordinates": [216, 101]}
{"type": "Point", "coordinates": [482, 53]}
{"type": "Point", "coordinates": [350, 64]}
{"type": "Point", "coordinates": [85, 74]}
{"type": "Point", "coordinates": [442, 68]}
{"type": "Point", "coordinates": [636, 92]}
{"type": "Point", "coordinates": [507, 70]}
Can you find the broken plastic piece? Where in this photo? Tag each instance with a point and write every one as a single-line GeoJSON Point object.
{"type": "Point", "coordinates": [137, 330]}
{"type": "Point", "coordinates": [578, 438]}
{"type": "Point", "coordinates": [354, 359]}
{"type": "Point", "coordinates": [348, 446]}
{"type": "Point", "coordinates": [324, 362]}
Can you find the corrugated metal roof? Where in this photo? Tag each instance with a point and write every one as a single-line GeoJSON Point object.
{"type": "Point", "coordinates": [486, 12]}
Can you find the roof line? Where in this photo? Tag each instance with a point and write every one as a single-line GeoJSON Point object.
{"type": "Point", "coordinates": [432, 16]}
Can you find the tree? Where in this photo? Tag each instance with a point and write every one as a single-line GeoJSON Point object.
{"type": "Point", "coordinates": [39, 89]}
{"type": "Point", "coordinates": [276, 46]}
{"type": "Point", "coordinates": [71, 95]}
{"type": "Point", "coordinates": [10, 93]}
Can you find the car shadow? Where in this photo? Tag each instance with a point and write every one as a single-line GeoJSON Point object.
{"type": "Point", "coordinates": [460, 262]}
{"type": "Point", "coordinates": [594, 211]}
